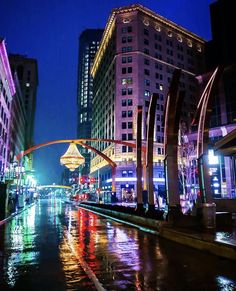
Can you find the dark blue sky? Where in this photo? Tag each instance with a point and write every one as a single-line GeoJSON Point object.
{"type": "Point", "coordinates": [48, 30]}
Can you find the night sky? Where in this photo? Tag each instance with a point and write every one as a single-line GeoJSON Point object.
{"type": "Point", "coordinates": [48, 31]}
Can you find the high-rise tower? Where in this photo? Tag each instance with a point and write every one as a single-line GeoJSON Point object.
{"type": "Point", "coordinates": [27, 72]}
{"type": "Point", "coordinates": [89, 41]}
{"type": "Point", "coordinates": [138, 53]}
{"type": "Point", "coordinates": [7, 92]}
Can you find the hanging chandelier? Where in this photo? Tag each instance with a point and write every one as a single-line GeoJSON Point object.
{"type": "Point", "coordinates": [72, 158]}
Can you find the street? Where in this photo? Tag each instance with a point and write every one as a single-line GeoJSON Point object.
{"type": "Point", "coordinates": [54, 246]}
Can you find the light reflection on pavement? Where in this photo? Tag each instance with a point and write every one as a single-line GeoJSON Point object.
{"type": "Point", "coordinates": [53, 246]}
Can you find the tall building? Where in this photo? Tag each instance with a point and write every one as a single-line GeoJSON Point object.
{"type": "Point", "coordinates": [137, 56]}
{"type": "Point", "coordinates": [7, 91]}
{"type": "Point", "coordinates": [18, 121]}
{"type": "Point", "coordinates": [221, 51]}
{"type": "Point", "coordinates": [27, 72]}
{"type": "Point", "coordinates": [89, 41]}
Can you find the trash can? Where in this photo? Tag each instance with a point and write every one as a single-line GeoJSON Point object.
{"type": "Point", "coordinates": [209, 215]}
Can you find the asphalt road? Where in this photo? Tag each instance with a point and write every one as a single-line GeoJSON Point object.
{"type": "Point", "coordinates": [54, 246]}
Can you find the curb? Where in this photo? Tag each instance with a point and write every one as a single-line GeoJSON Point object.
{"type": "Point", "coordinates": [162, 229]}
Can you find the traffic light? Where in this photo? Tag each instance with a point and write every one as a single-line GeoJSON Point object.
{"type": "Point", "coordinates": [82, 180]}
{"type": "Point", "coordinates": [92, 180]}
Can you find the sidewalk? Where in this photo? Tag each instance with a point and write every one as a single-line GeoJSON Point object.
{"type": "Point", "coordinates": [222, 242]}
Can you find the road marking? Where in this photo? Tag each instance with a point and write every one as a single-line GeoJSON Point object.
{"type": "Point", "coordinates": [84, 265]}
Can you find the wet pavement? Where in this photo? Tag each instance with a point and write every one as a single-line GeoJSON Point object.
{"type": "Point", "coordinates": [53, 246]}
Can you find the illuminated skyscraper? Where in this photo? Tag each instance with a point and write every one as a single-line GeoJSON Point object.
{"type": "Point", "coordinates": [7, 92]}
{"type": "Point", "coordinates": [27, 73]}
{"type": "Point", "coordinates": [18, 121]}
{"type": "Point", "coordinates": [89, 41]}
{"type": "Point", "coordinates": [137, 56]}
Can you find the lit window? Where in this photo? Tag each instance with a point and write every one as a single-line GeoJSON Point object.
{"type": "Point", "coordinates": [146, 93]}
{"type": "Point", "coordinates": [130, 173]}
{"type": "Point", "coordinates": [124, 173]}
{"type": "Point", "coordinates": [129, 80]}
{"type": "Point", "coordinates": [124, 82]}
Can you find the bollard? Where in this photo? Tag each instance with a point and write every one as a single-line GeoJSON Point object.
{"type": "Point", "coordinates": [209, 215]}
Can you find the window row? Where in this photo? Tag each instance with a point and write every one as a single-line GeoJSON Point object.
{"type": "Point", "coordinates": [127, 59]}
{"type": "Point", "coordinates": [126, 70]}
{"type": "Point", "coordinates": [126, 81]}
{"type": "Point", "coordinates": [126, 49]}
{"type": "Point", "coordinates": [125, 125]}
{"type": "Point", "coordinates": [126, 149]}
{"type": "Point", "coordinates": [128, 113]}
{"type": "Point", "coordinates": [157, 65]}
{"type": "Point", "coordinates": [127, 173]}
{"type": "Point", "coordinates": [158, 37]}
{"type": "Point", "coordinates": [128, 102]}
{"type": "Point", "coordinates": [126, 29]}
{"type": "Point", "coordinates": [127, 136]}
{"type": "Point", "coordinates": [126, 39]}
{"type": "Point", "coordinates": [128, 91]}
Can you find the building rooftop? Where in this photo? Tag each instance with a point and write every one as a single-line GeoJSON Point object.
{"type": "Point", "coordinates": [157, 19]}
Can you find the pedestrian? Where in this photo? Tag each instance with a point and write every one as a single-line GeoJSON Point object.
{"type": "Point", "coordinates": [10, 203]}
